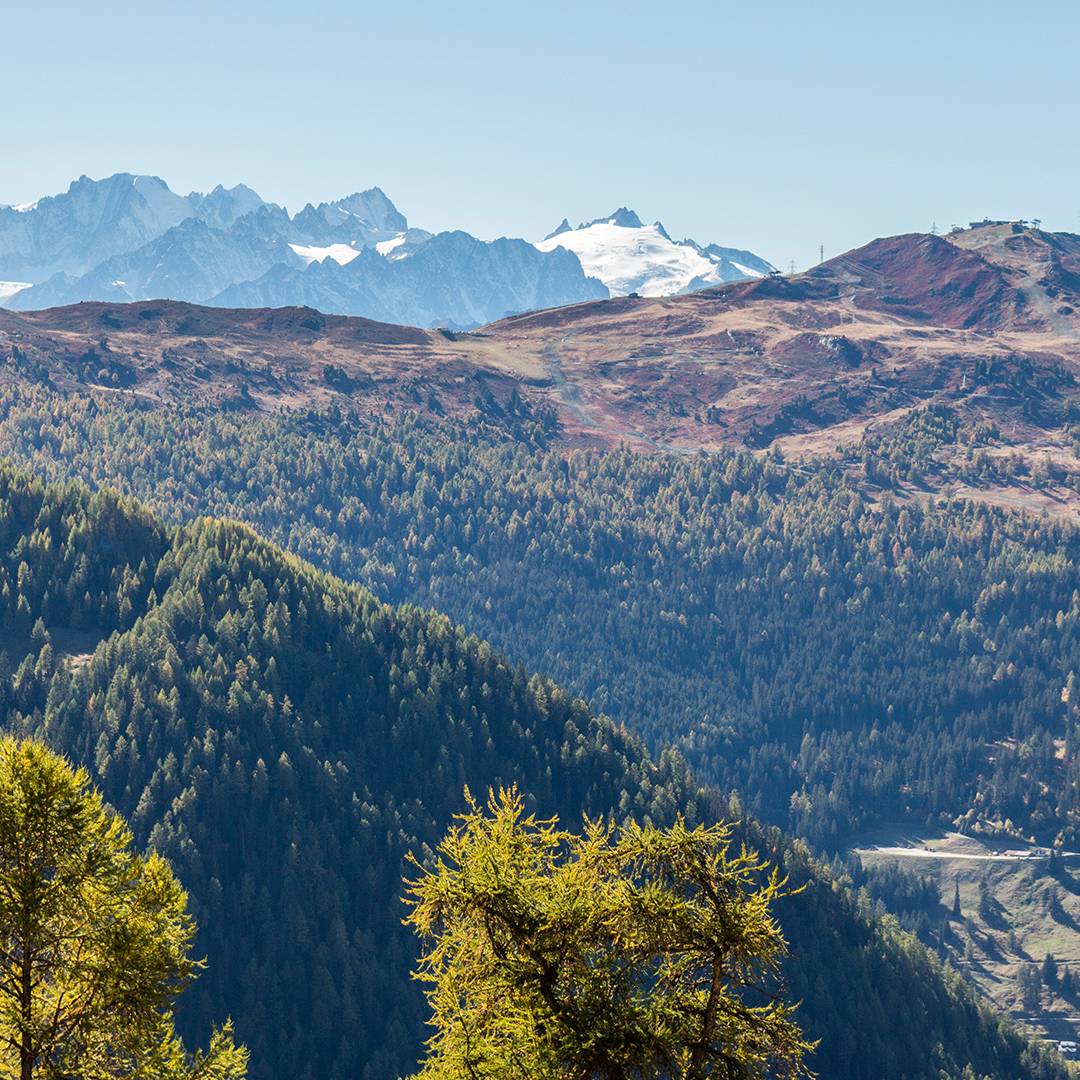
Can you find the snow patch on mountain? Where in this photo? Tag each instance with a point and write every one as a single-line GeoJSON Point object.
{"type": "Point", "coordinates": [384, 247]}
{"type": "Point", "coordinates": [629, 260]}
{"type": "Point", "coordinates": [342, 254]}
{"type": "Point", "coordinates": [9, 288]}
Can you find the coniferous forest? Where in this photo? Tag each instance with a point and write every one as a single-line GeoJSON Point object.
{"type": "Point", "coordinates": [837, 658]}
{"type": "Point", "coordinates": [286, 739]}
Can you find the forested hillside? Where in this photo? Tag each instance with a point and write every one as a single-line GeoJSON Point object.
{"type": "Point", "coordinates": [284, 738]}
{"type": "Point", "coordinates": [838, 660]}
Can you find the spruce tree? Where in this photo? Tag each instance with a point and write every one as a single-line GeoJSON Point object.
{"type": "Point", "coordinates": [1050, 970]}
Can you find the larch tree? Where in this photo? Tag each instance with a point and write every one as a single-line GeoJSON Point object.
{"type": "Point", "coordinates": [610, 954]}
{"type": "Point", "coordinates": [95, 939]}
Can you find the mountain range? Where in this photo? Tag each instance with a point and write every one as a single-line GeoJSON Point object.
{"type": "Point", "coordinates": [982, 325]}
{"type": "Point", "coordinates": [131, 238]}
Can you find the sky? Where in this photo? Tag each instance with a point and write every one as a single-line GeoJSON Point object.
{"type": "Point", "coordinates": [781, 127]}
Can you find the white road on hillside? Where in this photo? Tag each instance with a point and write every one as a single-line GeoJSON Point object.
{"type": "Point", "coordinates": [929, 853]}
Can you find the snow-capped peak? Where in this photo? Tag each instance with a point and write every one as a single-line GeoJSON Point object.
{"type": "Point", "coordinates": [630, 257]}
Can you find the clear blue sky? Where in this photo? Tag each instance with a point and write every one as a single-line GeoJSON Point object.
{"type": "Point", "coordinates": [773, 126]}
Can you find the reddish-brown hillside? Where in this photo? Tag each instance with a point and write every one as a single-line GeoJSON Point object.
{"type": "Point", "coordinates": [926, 279]}
{"type": "Point", "coordinates": [985, 322]}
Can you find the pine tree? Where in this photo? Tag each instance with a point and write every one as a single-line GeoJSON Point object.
{"type": "Point", "coordinates": [1050, 970]}
{"type": "Point", "coordinates": [1029, 982]}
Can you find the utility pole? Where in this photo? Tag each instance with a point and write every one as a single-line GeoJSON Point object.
{"type": "Point", "coordinates": [821, 254]}
{"type": "Point", "coordinates": [793, 267]}
{"type": "Point", "coordinates": [933, 228]}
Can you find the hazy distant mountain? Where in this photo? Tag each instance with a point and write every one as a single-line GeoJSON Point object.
{"type": "Point", "coordinates": [631, 257]}
{"type": "Point", "coordinates": [209, 242]}
{"type": "Point", "coordinates": [190, 261]}
{"type": "Point", "coordinates": [129, 238]}
{"type": "Point", "coordinates": [365, 218]}
{"type": "Point", "coordinates": [96, 219]}
{"type": "Point", "coordinates": [451, 280]}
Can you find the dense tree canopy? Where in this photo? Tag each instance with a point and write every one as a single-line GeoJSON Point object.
{"type": "Point", "coordinates": [286, 740]}
{"type": "Point", "coordinates": [838, 661]}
